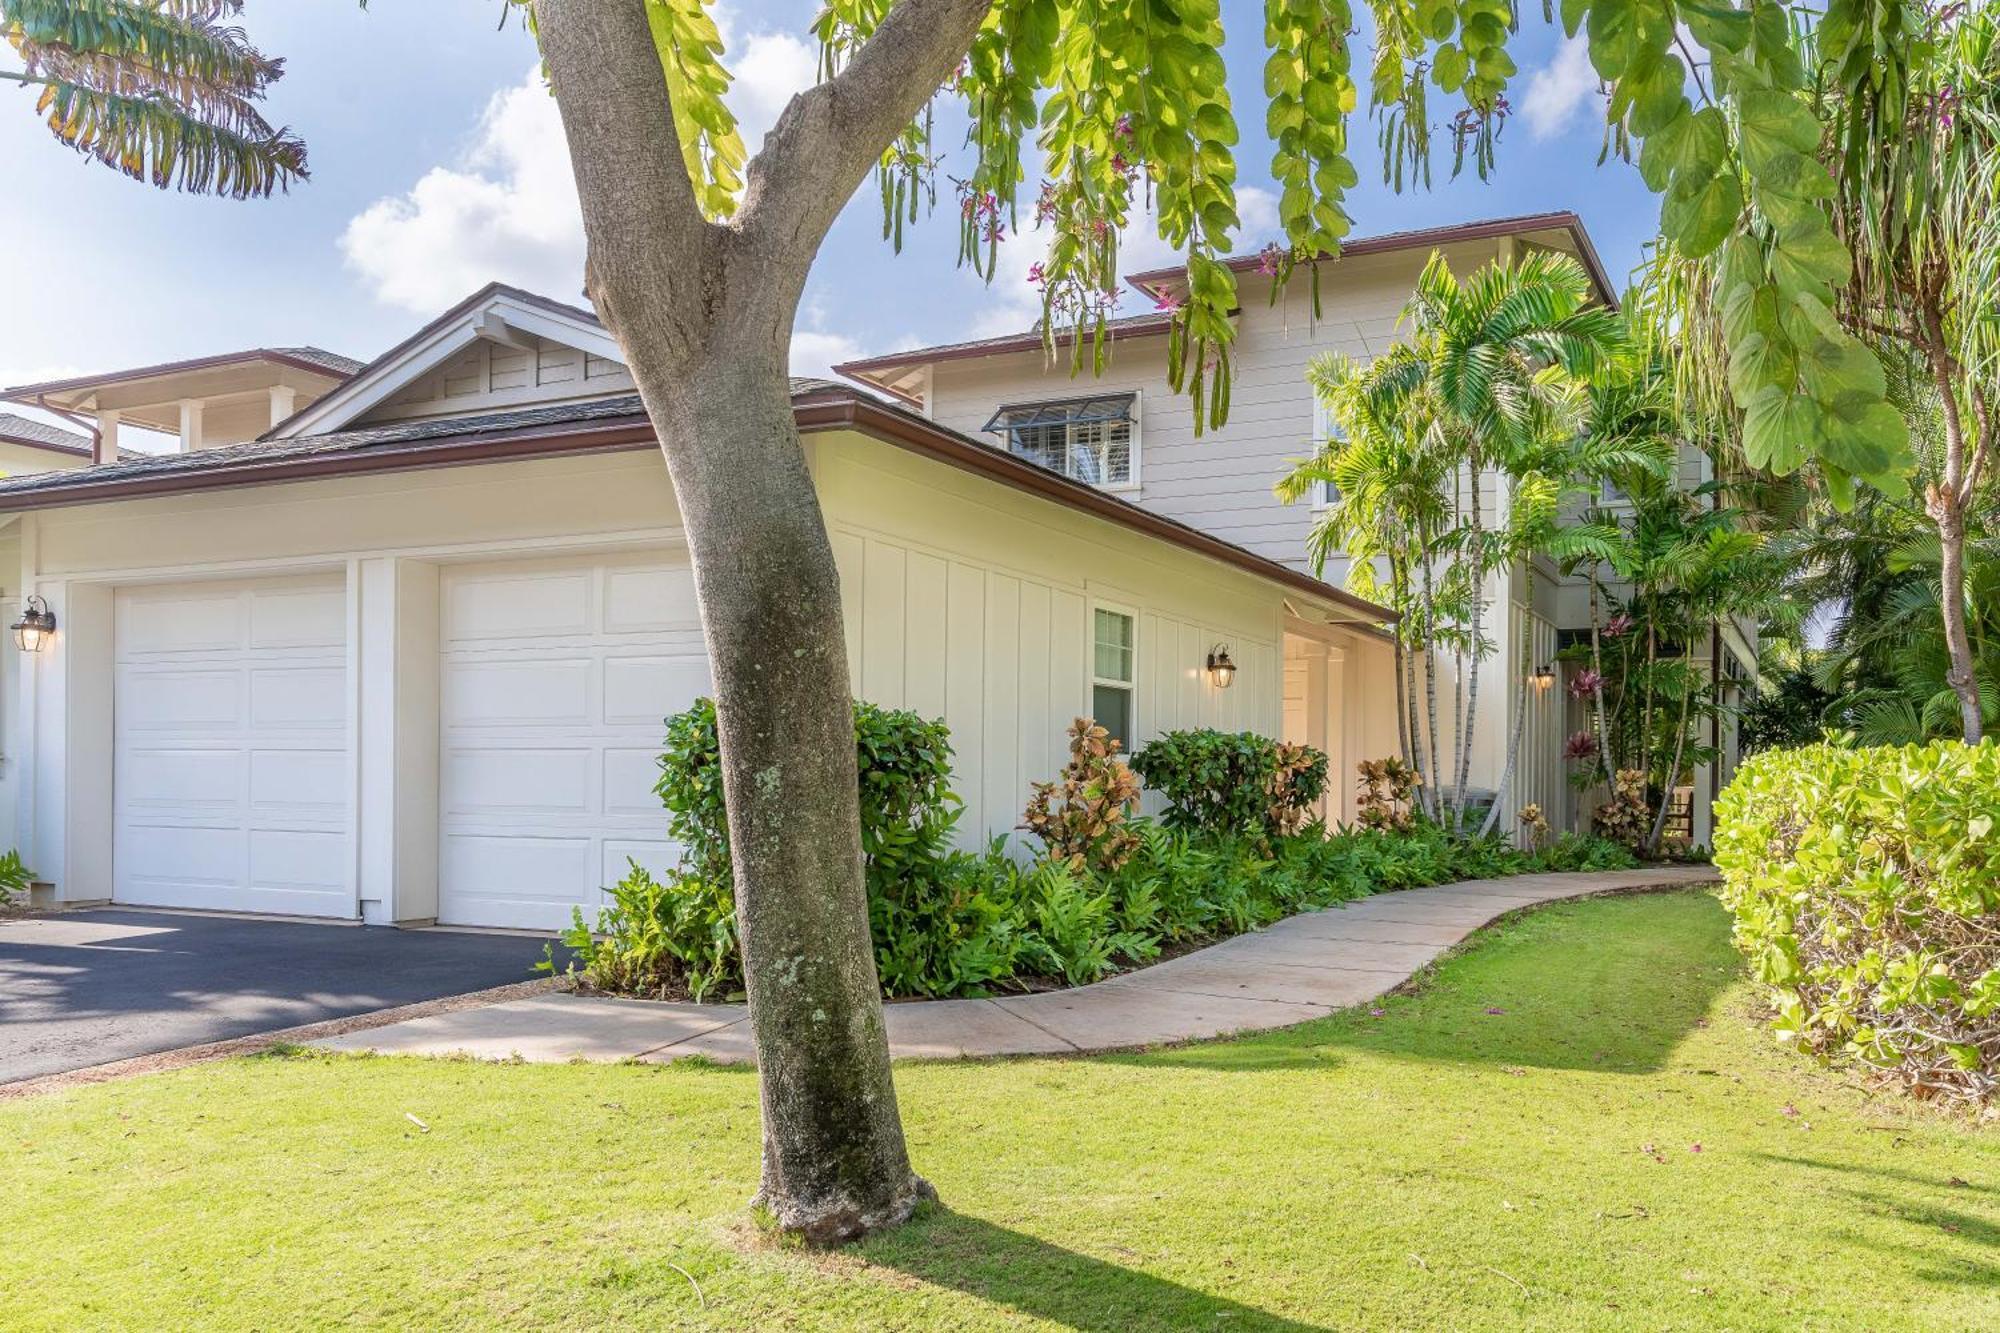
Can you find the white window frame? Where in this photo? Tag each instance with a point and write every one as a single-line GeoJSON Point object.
{"type": "Point", "coordinates": [1133, 450]}
{"type": "Point", "coordinates": [1324, 493]}
{"type": "Point", "coordinates": [1092, 680]}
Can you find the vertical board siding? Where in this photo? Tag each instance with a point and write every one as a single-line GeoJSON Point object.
{"type": "Point", "coordinates": [1004, 659]}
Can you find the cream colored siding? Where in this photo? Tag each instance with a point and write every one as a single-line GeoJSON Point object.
{"type": "Point", "coordinates": [972, 602]}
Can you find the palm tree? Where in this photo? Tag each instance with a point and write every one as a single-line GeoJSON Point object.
{"type": "Point", "coordinates": [1500, 358]}
{"type": "Point", "coordinates": [162, 90]}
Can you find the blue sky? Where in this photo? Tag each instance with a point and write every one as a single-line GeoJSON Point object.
{"type": "Point", "coordinates": [437, 164]}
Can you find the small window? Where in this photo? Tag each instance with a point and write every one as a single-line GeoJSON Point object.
{"type": "Point", "coordinates": [1113, 672]}
{"type": "Point", "coordinates": [1091, 440]}
{"type": "Point", "coordinates": [1611, 493]}
{"type": "Point", "coordinates": [1327, 434]}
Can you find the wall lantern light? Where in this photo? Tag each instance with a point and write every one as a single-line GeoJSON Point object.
{"type": "Point", "coordinates": [1545, 676]}
{"type": "Point", "coordinates": [1221, 671]}
{"type": "Point", "coordinates": [35, 626]}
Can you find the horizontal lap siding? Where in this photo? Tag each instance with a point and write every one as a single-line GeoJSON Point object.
{"type": "Point", "coordinates": [1220, 481]}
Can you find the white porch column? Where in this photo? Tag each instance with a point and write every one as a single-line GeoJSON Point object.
{"type": "Point", "coordinates": [396, 737]}
{"type": "Point", "coordinates": [191, 413]}
{"type": "Point", "coordinates": [284, 400]}
{"type": "Point", "coordinates": [107, 436]}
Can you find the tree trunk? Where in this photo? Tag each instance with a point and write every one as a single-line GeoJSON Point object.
{"type": "Point", "coordinates": [1478, 618]}
{"type": "Point", "coordinates": [1950, 519]}
{"type": "Point", "coordinates": [1597, 667]}
{"type": "Point", "coordinates": [704, 313]}
{"type": "Point", "coordinates": [1433, 801]}
{"type": "Point", "coordinates": [1680, 748]}
{"type": "Point", "coordinates": [1945, 502]}
{"type": "Point", "coordinates": [1513, 755]}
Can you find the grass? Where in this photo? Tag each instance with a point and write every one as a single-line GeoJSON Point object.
{"type": "Point", "coordinates": [1439, 1165]}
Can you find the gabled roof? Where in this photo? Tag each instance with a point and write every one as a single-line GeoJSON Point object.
{"type": "Point", "coordinates": [315, 359]}
{"type": "Point", "coordinates": [15, 429]}
{"type": "Point", "coordinates": [606, 425]}
{"type": "Point", "coordinates": [495, 310]}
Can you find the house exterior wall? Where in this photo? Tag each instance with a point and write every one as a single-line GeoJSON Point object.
{"type": "Point", "coordinates": [964, 599]}
{"type": "Point", "coordinates": [1221, 480]}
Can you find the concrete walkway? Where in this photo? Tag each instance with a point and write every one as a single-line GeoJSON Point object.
{"type": "Point", "coordinates": [1301, 968]}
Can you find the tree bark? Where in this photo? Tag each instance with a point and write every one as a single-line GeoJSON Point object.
{"type": "Point", "coordinates": [1513, 756]}
{"type": "Point", "coordinates": [1478, 624]}
{"type": "Point", "coordinates": [1945, 503]}
{"type": "Point", "coordinates": [1680, 748]}
{"type": "Point", "coordinates": [703, 313]}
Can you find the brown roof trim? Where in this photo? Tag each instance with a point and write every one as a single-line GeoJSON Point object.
{"type": "Point", "coordinates": [1431, 237]}
{"type": "Point", "coordinates": [831, 407]}
{"type": "Point", "coordinates": [1132, 326]}
{"type": "Point", "coordinates": [845, 410]}
{"type": "Point", "coordinates": [445, 320]}
{"type": "Point", "coordinates": [24, 392]}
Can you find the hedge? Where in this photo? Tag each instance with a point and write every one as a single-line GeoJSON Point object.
{"type": "Point", "coordinates": [1865, 885]}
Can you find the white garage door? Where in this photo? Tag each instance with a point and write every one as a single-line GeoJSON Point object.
{"type": "Point", "coordinates": [557, 675]}
{"type": "Point", "coordinates": [230, 765]}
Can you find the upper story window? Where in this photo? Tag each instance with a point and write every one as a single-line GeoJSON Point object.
{"type": "Point", "coordinates": [1328, 437]}
{"type": "Point", "coordinates": [1094, 440]}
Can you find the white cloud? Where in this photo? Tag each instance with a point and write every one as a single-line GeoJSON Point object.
{"type": "Point", "coordinates": [507, 210]}
{"type": "Point", "coordinates": [1559, 89]}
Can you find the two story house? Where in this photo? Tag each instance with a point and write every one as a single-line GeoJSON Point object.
{"type": "Point", "coordinates": [1126, 433]}
{"type": "Point", "coordinates": [393, 641]}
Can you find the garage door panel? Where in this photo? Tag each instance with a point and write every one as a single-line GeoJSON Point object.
{"type": "Point", "coordinates": [299, 780]}
{"type": "Point", "coordinates": [509, 780]}
{"type": "Point", "coordinates": [656, 858]}
{"type": "Point", "coordinates": [650, 600]}
{"type": "Point", "coordinates": [629, 778]}
{"type": "Point", "coordinates": [518, 693]}
{"type": "Point", "coordinates": [150, 621]}
{"type": "Point", "coordinates": [513, 606]}
{"type": "Point", "coordinates": [298, 697]}
{"type": "Point", "coordinates": [297, 859]}
{"type": "Point", "coordinates": [303, 618]}
{"type": "Point", "coordinates": [182, 777]}
{"type": "Point", "coordinates": [551, 748]}
{"type": "Point", "coordinates": [634, 686]}
{"type": "Point", "coordinates": [172, 699]}
{"type": "Point", "coordinates": [232, 780]}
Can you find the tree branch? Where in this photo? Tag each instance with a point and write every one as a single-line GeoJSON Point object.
{"type": "Point", "coordinates": [828, 138]}
{"type": "Point", "coordinates": [644, 226]}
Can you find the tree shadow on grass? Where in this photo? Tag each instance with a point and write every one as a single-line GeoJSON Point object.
{"type": "Point", "coordinates": [1077, 1291]}
{"type": "Point", "coordinates": [1921, 1223]}
{"type": "Point", "coordinates": [1613, 985]}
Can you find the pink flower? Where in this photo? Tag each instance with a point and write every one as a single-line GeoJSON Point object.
{"type": "Point", "coordinates": [1617, 625]}
{"type": "Point", "coordinates": [1167, 299]}
{"type": "Point", "coordinates": [1586, 683]}
{"type": "Point", "coordinates": [1495, 1010]}
{"type": "Point", "coordinates": [1377, 1013]}
{"type": "Point", "coordinates": [1123, 129]}
{"type": "Point", "coordinates": [1035, 275]}
{"type": "Point", "coordinates": [1269, 259]}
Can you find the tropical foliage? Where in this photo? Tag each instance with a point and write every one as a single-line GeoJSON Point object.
{"type": "Point", "coordinates": [1109, 890]}
{"type": "Point", "coordinates": [1866, 884]}
{"type": "Point", "coordinates": [1493, 386]}
{"type": "Point", "coordinates": [166, 91]}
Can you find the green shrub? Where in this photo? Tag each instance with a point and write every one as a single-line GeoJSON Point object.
{"type": "Point", "coordinates": [1221, 782]}
{"type": "Point", "coordinates": [659, 938]}
{"type": "Point", "coordinates": [1865, 885]}
{"type": "Point", "coordinates": [15, 878]}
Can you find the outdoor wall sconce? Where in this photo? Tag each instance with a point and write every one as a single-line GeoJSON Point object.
{"type": "Point", "coordinates": [1221, 671]}
{"type": "Point", "coordinates": [36, 624]}
{"type": "Point", "coordinates": [1545, 676]}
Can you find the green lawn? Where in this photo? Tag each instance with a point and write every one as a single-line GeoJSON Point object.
{"type": "Point", "coordinates": [1575, 1125]}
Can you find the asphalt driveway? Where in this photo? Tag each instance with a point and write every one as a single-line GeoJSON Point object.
{"type": "Point", "coordinates": [83, 988]}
